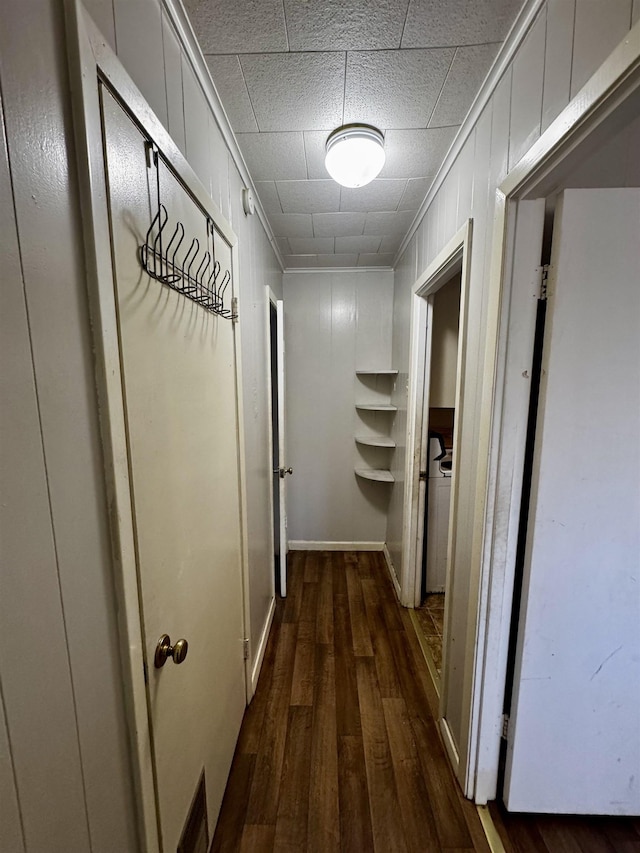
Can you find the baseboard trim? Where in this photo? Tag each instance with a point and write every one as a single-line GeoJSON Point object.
{"type": "Point", "coordinates": [392, 570]}
{"type": "Point", "coordinates": [312, 545]}
{"type": "Point", "coordinates": [262, 646]}
{"type": "Point", "coordinates": [450, 745]}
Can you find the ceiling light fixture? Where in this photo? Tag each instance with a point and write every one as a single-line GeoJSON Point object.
{"type": "Point", "coordinates": [355, 154]}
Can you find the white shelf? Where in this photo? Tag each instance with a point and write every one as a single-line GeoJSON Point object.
{"type": "Point", "coordinates": [375, 440]}
{"type": "Point", "coordinates": [376, 407]}
{"type": "Point", "coordinates": [376, 372]}
{"type": "Point", "coordinates": [377, 474]}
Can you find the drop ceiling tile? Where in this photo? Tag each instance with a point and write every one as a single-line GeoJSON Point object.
{"type": "Point", "coordinates": [230, 85]}
{"type": "Point", "coordinates": [376, 260]}
{"type": "Point", "coordinates": [442, 23]}
{"type": "Point", "coordinates": [309, 196]}
{"type": "Point", "coordinates": [396, 224]}
{"type": "Point", "coordinates": [397, 88]}
{"type": "Point", "coordinates": [291, 224]}
{"type": "Point", "coordinates": [338, 224]}
{"type": "Point", "coordinates": [416, 153]}
{"type": "Point", "coordinates": [344, 260]}
{"type": "Point", "coordinates": [378, 195]}
{"type": "Point", "coordinates": [468, 70]}
{"type": "Point", "coordinates": [391, 243]}
{"type": "Point", "coordinates": [314, 147]}
{"type": "Point", "coordinates": [311, 245]}
{"type": "Point", "coordinates": [300, 261]}
{"type": "Point", "coordinates": [414, 193]}
{"type": "Point", "coordinates": [336, 25]}
{"type": "Point", "coordinates": [274, 156]}
{"type": "Point", "coordinates": [357, 244]}
{"type": "Point", "coordinates": [243, 26]}
{"type": "Point", "coordinates": [269, 196]}
{"type": "Point", "coordinates": [297, 91]}
{"type": "Point", "coordinates": [283, 244]}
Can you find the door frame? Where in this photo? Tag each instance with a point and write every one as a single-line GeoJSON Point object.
{"type": "Point", "coordinates": [455, 255]}
{"type": "Point", "coordinates": [612, 92]}
{"type": "Point", "coordinates": [90, 61]}
{"type": "Point", "coordinates": [272, 299]}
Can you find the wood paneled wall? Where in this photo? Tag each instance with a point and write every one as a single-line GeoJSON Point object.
{"type": "Point", "coordinates": [65, 776]}
{"type": "Point", "coordinates": [567, 43]}
{"type": "Point", "coordinates": [335, 323]}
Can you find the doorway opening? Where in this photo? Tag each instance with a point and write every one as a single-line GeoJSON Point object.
{"type": "Point", "coordinates": [275, 431]}
{"type": "Point", "coordinates": [276, 382]}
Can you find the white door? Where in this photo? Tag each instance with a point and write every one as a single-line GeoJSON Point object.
{"type": "Point", "coordinates": [574, 740]}
{"type": "Point", "coordinates": [178, 377]}
{"type": "Point", "coordinates": [284, 471]}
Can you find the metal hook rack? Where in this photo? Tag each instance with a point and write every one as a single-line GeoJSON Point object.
{"type": "Point", "coordinates": [194, 274]}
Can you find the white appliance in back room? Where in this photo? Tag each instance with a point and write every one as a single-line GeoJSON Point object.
{"type": "Point", "coordinates": [438, 500]}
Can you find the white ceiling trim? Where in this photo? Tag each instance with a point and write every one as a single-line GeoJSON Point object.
{"type": "Point", "coordinates": [325, 270]}
{"type": "Point", "coordinates": [178, 17]}
{"type": "Point", "coordinates": [514, 39]}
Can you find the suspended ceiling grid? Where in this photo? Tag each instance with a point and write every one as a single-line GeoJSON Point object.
{"type": "Point", "coordinates": [289, 72]}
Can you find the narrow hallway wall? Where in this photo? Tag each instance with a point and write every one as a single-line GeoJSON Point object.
{"type": "Point", "coordinates": [565, 45]}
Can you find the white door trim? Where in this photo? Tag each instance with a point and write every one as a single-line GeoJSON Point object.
{"type": "Point", "coordinates": [90, 60]}
{"type": "Point", "coordinates": [615, 84]}
{"type": "Point", "coordinates": [456, 253]}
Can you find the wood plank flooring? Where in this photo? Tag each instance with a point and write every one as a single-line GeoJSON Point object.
{"type": "Point", "coordinates": [339, 749]}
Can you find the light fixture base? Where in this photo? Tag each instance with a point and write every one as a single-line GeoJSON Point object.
{"type": "Point", "coordinates": [355, 154]}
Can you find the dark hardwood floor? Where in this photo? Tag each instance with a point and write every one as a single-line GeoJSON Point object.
{"type": "Point", "coordinates": [339, 749]}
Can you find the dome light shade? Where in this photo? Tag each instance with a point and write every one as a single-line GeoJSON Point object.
{"type": "Point", "coordinates": [355, 154]}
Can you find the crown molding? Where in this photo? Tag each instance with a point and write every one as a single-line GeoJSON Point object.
{"type": "Point", "coordinates": [295, 270]}
{"type": "Point", "coordinates": [516, 35]}
{"type": "Point", "coordinates": [181, 23]}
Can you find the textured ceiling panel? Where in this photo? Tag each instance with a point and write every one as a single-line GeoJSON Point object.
{"type": "Point", "coordinates": [309, 196]}
{"type": "Point", "coordinates": [380, 259]}
{"type": "Point", "coordinates": [291, 224]}
{"type": "Point", "coordinates": [314, 146]}
{"type": "Point", "coordinates": [295, 91]}
{"type": "Point", "coordinates": [394, 88]}
{"type": "Point", "coordinates": [340, 25]}
{"type": "Point", "coordinates": [291, 71]}
{"type": "Point", "coordinates": [231, 87]}
{"type": "Point", "coordinates": [274, 156]}
{"type": "Point", "coordinates": [312, 245]}
{"type": "Point", "coordinates": [338, 224]}
{"type": "Point", "coordinates": [441, 23]}
{"type": "Point", "coordinates": [416, 153]}
{"type": "Point", "coordinates": [357, 244]}
{"type": "Point", "coordinates": [269, 196]}
{"type": "Point", "coordinates": [395, 224]}
{"type": "Point", "coordinates": [414, 193]}
{"type": "Point", "coordinates": [470, 64]}
{"type": "Point", "coordinates": [238, 26]}
{"type": "Point", "coordinates": [378, 195]}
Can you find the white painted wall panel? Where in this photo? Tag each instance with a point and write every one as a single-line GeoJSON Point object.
{"type": "Point", "coordinates": [173, 83]}
{"type": "Point", "coordinates": [557, 58]}
{"type": "Point", "coordinates": [55, 726]}
{"type": "Point", "coordinates": [599, 28]}
{"type": "Point", "coordinates": [335, 323]}
{"type": "Point", "coordinates": [140, 49]}
{"type": "Point", "coordinates": [635, 14]}
{"type": "Point", "coordinates": [511, 122]}
{"type": "Point", "coordinates": [196, 126]}
{"type": "Point", "coordinates": [101, 12]}
{"type": "Point", "coordinates": [526, 91]}
{"type": "Point", "coordinates": [11, 837]}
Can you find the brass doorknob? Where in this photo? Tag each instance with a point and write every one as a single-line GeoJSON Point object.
{"type": "Point", "coordinates": [165, 650]}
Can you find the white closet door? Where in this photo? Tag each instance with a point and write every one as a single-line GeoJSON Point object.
{"type": "Point", "coordinates": [178, 375]}
{"type": "Point", "coordinates": [574, 742]}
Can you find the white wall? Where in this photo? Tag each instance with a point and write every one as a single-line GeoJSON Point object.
{"type": "Point", "coordinates": [65, 774]}
{"type": "Point", "coordinates": [444, 345]}
{"type": "Point", "coordinates": [566, 44]}
{"type": "Point", "coordinates": [335, 323]}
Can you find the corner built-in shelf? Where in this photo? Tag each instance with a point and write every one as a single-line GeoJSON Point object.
{"type": "Point", "coordinates": [376, 440]}
{"type": "Point", "coordinates": [376, 407]}
{"type": "Point", "coordinates": [380, 440]}
{"type": "Point", "coordinates": [377, 474]}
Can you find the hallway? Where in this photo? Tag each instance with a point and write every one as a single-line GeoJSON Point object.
{"type": "Point", "coordinates": [339, 748]}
